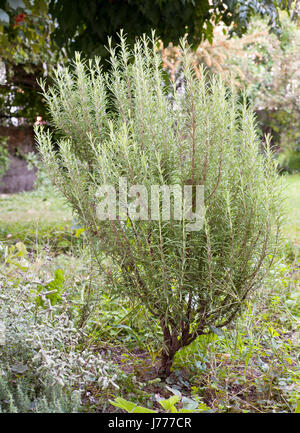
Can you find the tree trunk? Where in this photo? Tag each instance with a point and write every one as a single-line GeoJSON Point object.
{"type": "Point", "coordinates": [171, 345]}
{"type": "Point", "coordinates": [167, 358]}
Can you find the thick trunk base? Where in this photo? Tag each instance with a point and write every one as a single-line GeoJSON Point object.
{"type": "Point", "coordinates": [165, 365]}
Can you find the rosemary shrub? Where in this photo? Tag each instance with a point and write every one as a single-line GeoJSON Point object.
{"type": "Point", "coordinates": [131, 122]}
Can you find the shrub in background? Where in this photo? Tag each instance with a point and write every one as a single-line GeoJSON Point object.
{"type": "Point", "coordinates": [131, 122]}
{"type": "Point", "coordinates": [272, 68]}
{"type": "Point", "coordinates": [268, 65]}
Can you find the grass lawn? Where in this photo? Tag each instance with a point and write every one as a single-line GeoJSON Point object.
{"type": "Point", "coordinates": [35, 207]}
{"type": "Point", "coordinates": [36, 218]}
